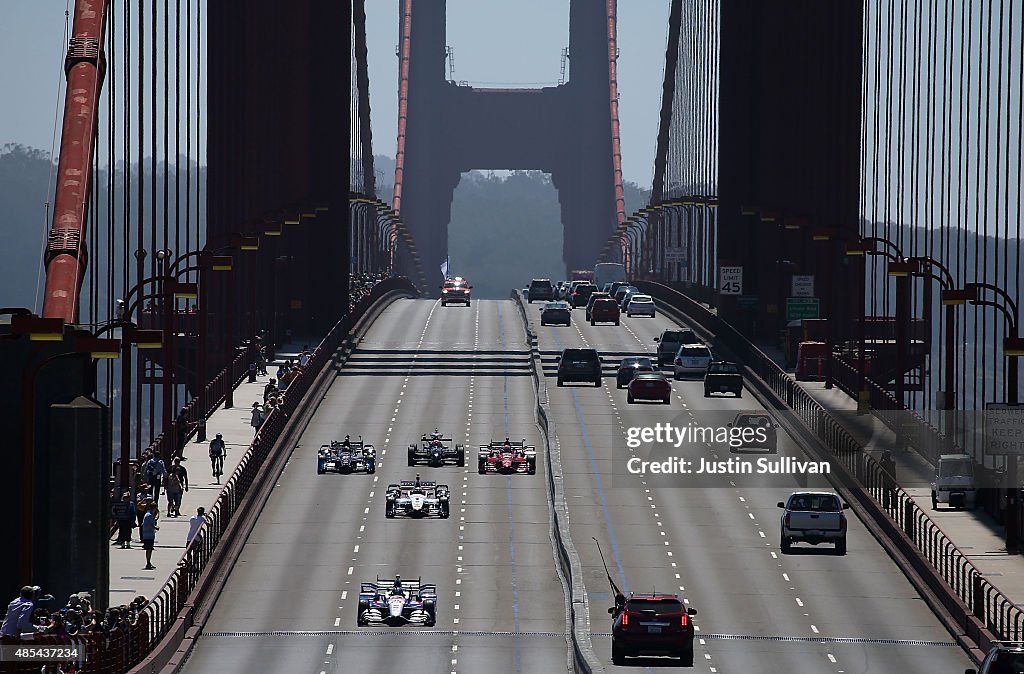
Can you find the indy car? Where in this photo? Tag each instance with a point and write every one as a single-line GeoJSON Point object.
{"type": "Point", "coordinates": [436, 450]}
{"type": "Point", "coordinates": [346, 456]}
{"type": "Point", "coordinates": [416, 498]}
{"type": "Point", "coordinates": [507, 457]}
{"type": "Point", "coordinates": [398, 602]}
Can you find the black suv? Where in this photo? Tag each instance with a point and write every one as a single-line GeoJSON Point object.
{"type": "Point", "coordinates": [579, 365]}
{"type": "Point", "coordinates": [652, 624]}
{"type": "Point", "coordinates": [669, 343]}
{"type": "Point", "coordinates": [540, 289]}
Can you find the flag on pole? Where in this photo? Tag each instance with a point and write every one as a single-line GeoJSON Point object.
{"type": "Point", "coordinates": [444, 267]}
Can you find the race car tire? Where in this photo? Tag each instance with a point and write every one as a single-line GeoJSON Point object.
{"type": "Point", "coordinates": [445, 511]}
{"type": "Point", "coordinates": [560, 382]}
{"type": "Point", "coordinates": [668, 400]}
{"type": "Point", "coordinates": [431, 610]}
{"type": "Point", "coordinates": [739, 394]}
{"type": "Point", "coordinates": [593, 322]}
{"type": "Point", "coordinates": [461, 460]}
{"type": "Point", "coordinates": [363, 605]}
{"type": "Point", "coordinates": [389, 510]}
{"type": "Point", "coordinates": [707, 393]}
{"type": "Point", "coordinates": [412, 459]}
{"type": "Point", "coordinates": [616, 321]}
{"type": "Point", "coordinates": [480, 468]}
{"type": "Point", "coordinates": [531, 468]}
{"type": "Point", "coordinates": [618, 656]}
{"type": "Point", "coordinates": [597, 382]}
{"type": "Point", "coordinates": [319, 469]}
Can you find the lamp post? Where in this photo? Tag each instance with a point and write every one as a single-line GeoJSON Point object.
{"type": "Point", "coordinates": [945, 279]}
{"type": "Point", "coordinates": [1013, 347]}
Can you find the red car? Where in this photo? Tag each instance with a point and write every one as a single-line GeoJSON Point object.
{"type": "Point", "coordinates": [605, 310]}
{"type": "Point", "coordinates": [652, 624]}
{"type": "Point", "coordinates": [507, 458]}
{"type": "Point", "coordinates": [649, 386]}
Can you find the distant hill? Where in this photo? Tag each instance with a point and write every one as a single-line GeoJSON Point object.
{"type": "Point", "coordinates": [24, 176]}
{"type": "Point", "coordinates": [25, 188]}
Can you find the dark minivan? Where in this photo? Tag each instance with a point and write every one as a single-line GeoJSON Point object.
{"type": "Point", "coordinates": [576, 365]}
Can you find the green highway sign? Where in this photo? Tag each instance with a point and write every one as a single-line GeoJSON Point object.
{"type": "Point", "coordinates": [748, 301]}
{"type": "Point", "coordinates": [799, 308]}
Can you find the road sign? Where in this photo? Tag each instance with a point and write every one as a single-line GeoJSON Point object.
{"type": "Point", "coordinates": [675, 255]}
{"type": "Point", "coordinates": [803, 286]}
{"type": "Point", "coordinates": [748, 301]}
{"type": "Point", "coordinates": [1004, 429]}
{"type": "Point", "coordinates": [799, 308]}
{"type": "Point", "coordinates": [730, 280]}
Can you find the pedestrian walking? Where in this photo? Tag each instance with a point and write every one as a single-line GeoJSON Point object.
{"type": "Point", "coordinates": [123, 512]}
{"type": "Point", "coordinates": [174, 491]}
{"type": "Point", "coordinates": [194, 523]}
{"type": "Point", "coordinates": [149, 529]}
{"type": "Point", "coordinates": [154, 471]}
{"type": "Point", "coordinates": [261, 360]}
{"type": "Point", "coordinates": [218, 450]}
{"type": "Point", "coordinates": [256, 420]}
{"type": "Point", "coordinates": [180, 430]}
{"type": "Point", "coordinates": [180, 471]}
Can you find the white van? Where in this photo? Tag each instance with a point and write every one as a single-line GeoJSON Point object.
{"type": "Point", "coordinates": [608, 272]}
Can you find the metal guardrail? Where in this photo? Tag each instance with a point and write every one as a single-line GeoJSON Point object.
{"type": "Point", "coordinates": [981, 600]}
{"type": "Point", "coordinates": [119, 652]}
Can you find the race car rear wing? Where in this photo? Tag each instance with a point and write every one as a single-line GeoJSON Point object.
{"type": "Point", "coordinates": [412, 483]}
{"type": "Point", "coordinates": [500, 444]}
{"type": "Point", "coordinates": [413, 586]}
{"type": "Point", "coordinates": [427, 438]}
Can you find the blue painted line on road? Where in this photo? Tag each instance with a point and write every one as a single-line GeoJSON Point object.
{"type": "Point", "coordinates": [511, 522]}
{"type": "Point", "coordinates": [597, 480]}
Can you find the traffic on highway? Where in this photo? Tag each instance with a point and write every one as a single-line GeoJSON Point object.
{"type": "Point", "coordinates": [422, 562]}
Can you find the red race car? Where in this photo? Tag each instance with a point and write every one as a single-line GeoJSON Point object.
{"type": "Point", "coordinates": [507, 458]}
{"type": "Point", "coordinates": [649, 386]}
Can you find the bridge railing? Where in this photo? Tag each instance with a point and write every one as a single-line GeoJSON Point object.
{"type": "Point", "coordinates": [967, 594]}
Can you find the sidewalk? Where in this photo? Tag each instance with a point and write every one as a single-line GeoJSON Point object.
{"type": "Point", "coordinates": [128, 576]}
{"type": "Point", "coordinates": [975, 533]}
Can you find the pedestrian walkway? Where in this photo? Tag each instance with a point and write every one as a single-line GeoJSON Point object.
{"type": "Point", "coordinates": [979, 537]}
{"type": "Point", "coordinates": [128, 576]}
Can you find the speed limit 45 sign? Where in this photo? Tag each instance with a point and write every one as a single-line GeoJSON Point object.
{"type": "Point", "coordinates": [730, 280]}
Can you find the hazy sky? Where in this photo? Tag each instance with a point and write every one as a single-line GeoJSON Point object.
{"type": "Point", "coordinates": [496, 42]}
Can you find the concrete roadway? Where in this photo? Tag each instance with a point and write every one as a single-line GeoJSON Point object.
{"type": "Point", "coordinates": [718, 546]}
{"type": "Point", "coordinates": [289, 604]}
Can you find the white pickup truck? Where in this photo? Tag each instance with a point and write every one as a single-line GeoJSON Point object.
{"type": "Point", "coordinates": [813, 517]}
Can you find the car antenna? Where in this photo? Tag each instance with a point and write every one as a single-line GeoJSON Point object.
{"type": "Point", "coordinates": [615, 588]}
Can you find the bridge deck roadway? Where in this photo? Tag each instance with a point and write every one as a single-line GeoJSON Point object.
{"type": "Point", "coordinates": [289, 604]}
{"type": "Point", "coordinates": [759, 610]}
